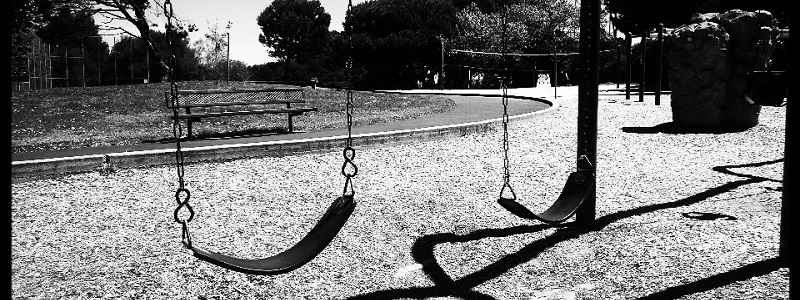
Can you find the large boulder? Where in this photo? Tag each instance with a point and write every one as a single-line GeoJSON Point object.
{"type": "Point", "coordinates": [708, 62]}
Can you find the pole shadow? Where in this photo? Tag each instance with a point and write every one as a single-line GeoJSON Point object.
{"type": "Point", "coordinates": [745, 272]}
{"type": "Point", "coordinates": [675, 128]}
{"type": "Point", "coordinates": [444, 285]}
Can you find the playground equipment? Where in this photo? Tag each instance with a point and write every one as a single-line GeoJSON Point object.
{"type": "Point", "coordinates": [659, 35]}
{"type": "Point", "coordinates": [304, 251]}
{"type": "Point", "coordinates": [578, 195]}
{"type": "Point", "coordinates": [769, 87]}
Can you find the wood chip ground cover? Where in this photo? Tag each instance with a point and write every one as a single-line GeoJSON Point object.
{"type": "Point", "coordinates": [427, 224]}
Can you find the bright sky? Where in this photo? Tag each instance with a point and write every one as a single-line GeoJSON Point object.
{"type": "Point", "coordinates": [244, 29]}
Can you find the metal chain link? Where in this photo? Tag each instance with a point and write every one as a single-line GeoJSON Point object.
{"type": "Point", "coordinates": [349, 168]}
{"type": "Point", "coordinates": [182, 194]}
{"type": "Point", "coordinates": [504, 87]}
{"type": "Point", "coordinates": [506, 161]}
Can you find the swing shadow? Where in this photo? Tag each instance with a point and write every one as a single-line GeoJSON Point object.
{"type": "Point", "coordinates": [444, 285]}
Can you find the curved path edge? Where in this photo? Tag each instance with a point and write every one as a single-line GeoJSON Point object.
{"type": "Point", "coordinates": [32, 169]}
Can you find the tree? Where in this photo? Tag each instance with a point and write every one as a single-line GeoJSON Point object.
{"type": "Point", "coordinates": [294, 30]}
{"type": "Point", "coordinates": [130, 53]}
{"type": "Point", "coordinates": [26, 16]}
{"type": "Point", "coordinates": [479, 31]}
{"type": "Point", "coordinates": [398, 42]}
{"type": "Point", "coordinates": [186, 59]}
{"type": "Point", "coordinates": [139, 13]}
{"type": "Point", "coordinates": [532, 27]}
{"type": "Point", "coordinates": [212, 52]}
{"type": "Point", "coordinates": [74, 32]}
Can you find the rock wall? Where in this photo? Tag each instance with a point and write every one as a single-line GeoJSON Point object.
{"type": "Point", "coordinates": [708, 61]}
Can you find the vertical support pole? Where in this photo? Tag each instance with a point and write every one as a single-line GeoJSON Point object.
{"type": "Point", "coordinates": [469, 78]}
{"type": "Point", "coordinates": [116, 77]}
{"type": "Point", "coordinates": [643, 42]}
{"type": "Point", "coordinates": [629, 42]}
{"type": "Point", "coordinates": [99, 83]}
{"type": "Point", "coordinates": [28, 67]}
{"type": "Point", "coordinates": [228, 59]}
{"type": "Point", "coordinates": [83, 65]}
{"type": "Point", "coordinates": [66, 65]}
{"type": "Point", "coordinates": [659, 62]}
{"type": "Point", "coordinates": [619, 58]}
{"type": "Point", "coordinates": [555, 65]}
{"type": "Point", "coordinates": [788, 206]}
{"type": "Point", "coordinates": [555, 74]}
{"type": "Point", "coordinates": [130, 57]}
{"type": "Point", "coordinates": [587, 97]}
{"type": "Point", "coordinates": [147, 61]}
{"type": "Point", "coordinates": [49, 66]}
{"type": "Point", "coordinates": [441, 75]}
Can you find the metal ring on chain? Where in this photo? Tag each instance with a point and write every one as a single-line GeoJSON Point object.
{"type": "Point", "coordinates": [507, 187]}
{"type": "Point", "coordinates": [348, 189]}
{"type": "Point", "coordinates": [186, 236]}
{"type": "Point", "coordinates": [183, 202]}
{"type": "Point", "coordinates": [349, 170]}
{"type": "Point", "coordinates": [349, 154]}
{"type": "Point", "coordinates": [168, 9]}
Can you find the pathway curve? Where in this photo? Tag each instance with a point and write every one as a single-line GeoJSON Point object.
{"type": "Point", "coordinates": [475, 111]}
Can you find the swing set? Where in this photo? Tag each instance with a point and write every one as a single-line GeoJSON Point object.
{"type": "Point", "coordinates": [577, 197]}
{"type": "Point", "coordinates": [306, 249]}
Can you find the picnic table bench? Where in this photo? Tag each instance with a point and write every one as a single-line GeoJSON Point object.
{"type": "Point", "coordinates": [194, 105]}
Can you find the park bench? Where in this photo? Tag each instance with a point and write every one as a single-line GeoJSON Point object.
{"type": "Point", "coordinates": [194, 105]}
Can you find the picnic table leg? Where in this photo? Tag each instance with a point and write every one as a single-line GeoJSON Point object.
{"type": "Point", "coordinates": [188, 124]}
{"type": "Point", "coordinates": [291, 127]}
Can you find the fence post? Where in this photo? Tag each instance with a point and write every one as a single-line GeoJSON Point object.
{"type": "Point", "coordinates": [555, 73]}
{"type": "Point", "coordinates": [629, 42]}
{"type": "Point", "coordinates": [659, 62]}
{"type": "Point", "coordinates": [641, 70]}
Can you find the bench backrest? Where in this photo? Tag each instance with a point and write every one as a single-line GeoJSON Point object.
{"type": "Point", "coordinates": [225, 97]}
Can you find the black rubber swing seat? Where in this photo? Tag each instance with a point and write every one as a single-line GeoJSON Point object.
{"type": "Point", "coordinates": [304, 251]}
{"type": "Point", "coordinates": [580, 185]}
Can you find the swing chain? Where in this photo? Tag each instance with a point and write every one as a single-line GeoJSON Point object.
{"type": "Point", "coordinates": [182, 194]}
{"type": "Point", "coordinates": [504, 87]}
{"type": "Point", "coordinates": [349, 168]}
{"type": "Point", "coordinates": [506, 162]}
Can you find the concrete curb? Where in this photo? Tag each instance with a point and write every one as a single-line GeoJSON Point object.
{"type": "Point", "coordinates": [46, 168]}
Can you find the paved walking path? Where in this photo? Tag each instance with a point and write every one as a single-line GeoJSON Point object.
{"type": "Point", "coordinates": [475, 111]}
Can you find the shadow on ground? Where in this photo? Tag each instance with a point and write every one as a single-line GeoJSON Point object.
{"type": "Point", "coordinates": [223, 135]}
{"type": "Point", "coordinates": [675, 128]}
{"type": "Point", "coordinates": [423, 251]}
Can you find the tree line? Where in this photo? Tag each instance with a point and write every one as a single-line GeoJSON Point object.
{"type": "Point", "coordinates": [392, 43]}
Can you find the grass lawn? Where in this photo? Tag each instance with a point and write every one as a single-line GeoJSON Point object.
{"type": "Point", "coordinates": [64, 118]}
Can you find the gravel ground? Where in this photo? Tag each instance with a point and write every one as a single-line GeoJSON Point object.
{"type": "Point", "coordinates": [427, 224]}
